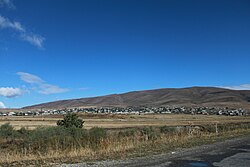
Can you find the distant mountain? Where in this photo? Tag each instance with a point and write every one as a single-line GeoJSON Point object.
{"type": "Point", "coordinates": [194, 96]}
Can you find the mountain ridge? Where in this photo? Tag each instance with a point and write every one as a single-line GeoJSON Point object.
{"type": "Point", "coordinates": [190, 96]}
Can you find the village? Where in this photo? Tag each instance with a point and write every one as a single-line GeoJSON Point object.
{"type": "Point", "coordinates": [133, 110]}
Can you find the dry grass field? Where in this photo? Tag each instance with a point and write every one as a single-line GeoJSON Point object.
{"type": "Point", "coordinates": [151, 134]}
{"type": "Point", "coordinates": [124, 121]}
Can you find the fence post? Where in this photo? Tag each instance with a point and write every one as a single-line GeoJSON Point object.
{"type": "Point", "coordinates": [216, 127]}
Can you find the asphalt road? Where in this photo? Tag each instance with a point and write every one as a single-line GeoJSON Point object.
{"type": "Point", "coordinates": [236, 155]}
{"type": "Point", "coordinates": [230, 153]}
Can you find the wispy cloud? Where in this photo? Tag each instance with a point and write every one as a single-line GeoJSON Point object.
{"type": "Point", "coordinates": [6, 23]}
{"type": "Point", "coordinates": [34, 39]}
{"type": "Point", "coordinates": [237, 87]}
{"type": "Point", "coordinates": [51, 89]}
{"type": "Point", "coordinates": [40, 85]}
{"type": "Point", "coordinates": [10, 92]}
{"type": "Point", "coordinates": [2, 105]}
{"type": "Point", "coordinates": [7, 3]}
{"type": "Point", "coordinates": [29, 78]}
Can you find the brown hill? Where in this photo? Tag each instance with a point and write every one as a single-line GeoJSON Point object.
{"type": "Point", "coordinates": [194, 96]}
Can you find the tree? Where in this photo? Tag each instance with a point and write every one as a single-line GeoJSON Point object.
{"type": "Point", "coordinates": [70, 120]}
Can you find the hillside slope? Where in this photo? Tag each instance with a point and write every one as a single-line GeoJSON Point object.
{"type": "Point", "coordinates": [194, 96]}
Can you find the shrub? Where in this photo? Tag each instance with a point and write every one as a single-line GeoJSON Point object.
{"type": "Point", "coordinates": [71, 120]}
{"type": "Point", "coordinates": [23, 131]}
{"type": "Point", "coordinates": [167, 129]}
{"type": "Point", "coordinates": [77, 133]}
{"type": "Point", "coordinates": [229, 127]}
{"type": "Point", "coordinates": [96, 134]}
{"type": "Point", "coordinates": [209, 128]}
{"type": "Point", "coordinates": [59, 138]}
{"type": "Point", "coordinates": [150, 133]}
{"type": "Point", "coordinates": [127, 133]}
{"type": "Point", "coordinates": [7, 131]}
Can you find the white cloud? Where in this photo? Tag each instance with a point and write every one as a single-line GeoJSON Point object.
{"type": "Point", "coordinates": [10, 92]}
{"type": "Point", "coordinates": [6, 23]}
{"type": "Point", "coordinates": [7, 3]}
{"type": "Point", "coordinates": [239, 87]}
{"type": "Point", "coordinates": [2, 105]}
{"type": "Point", "coordinates": [29, 78]}
{"type": "Point", "coordinates": [40, 85]}
{"type": "Point", "coordinates": [51, 89]}
{"type": "Point", "coordinates": [34, 39]}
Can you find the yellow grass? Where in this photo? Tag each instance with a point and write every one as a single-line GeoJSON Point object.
{"type": "Point", "coordinates": [112, 148]}
{"type": "Point", "coordinates": [124, 121]}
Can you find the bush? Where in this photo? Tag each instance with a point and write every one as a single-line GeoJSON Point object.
{"type": "Point", "coordinates": [229, 127]}
{"type": "Point", "coordinates": [96, 134]}
{"type": "Point", "coordinates": [127, 133]}
{"type": "Point", "coordinates": [7, 131]}
{"type": "Point", "coordinates": [77, 133]}
{"type": "Point", "coordinates": [59, 138]}
{"type": "Point", "coordinates": [167, 129]}
{"type": "Point", "coordinates": [71, 120]}
{"type": "Point", "coordinates": [210, 128]}
{"type": "Point", "coordinates": [23, 131]}
{"type": "Point", "coordinates": [150, 133]}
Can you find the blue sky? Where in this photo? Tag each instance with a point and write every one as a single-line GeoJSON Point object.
{"type": "Point", "coordinates": [62, 49]}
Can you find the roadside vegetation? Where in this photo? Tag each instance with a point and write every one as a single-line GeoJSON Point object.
{"type": "Point", "coordinates": [69, 142]}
